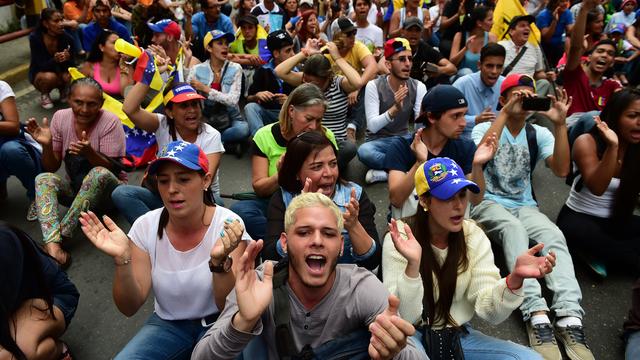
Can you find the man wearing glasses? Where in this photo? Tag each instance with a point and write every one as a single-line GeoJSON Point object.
{"type": "Point", "coordinates": [391, 102]}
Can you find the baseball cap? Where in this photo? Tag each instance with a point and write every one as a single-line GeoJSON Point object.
{"type": "Point", "coordinates": [182, 153]}
{"type": "Point", "coordinates": [442, 178]}
{"type": "Point", "coordinates": [617, 28]}
{"type": "Point", "coordinates": [343, 25]}
{"type": "Point", "coordinates": [278, 39]}
{"type": "Point", "coordinates": [516, 19]}
{"type": "Point", "coordinates": [248, 19]}
{"type": "Point", "coordinates": [412, 21]}
{"type": "Point", "coordinates": [306, 2]}
{"type": "Point", "coordinates": [625, 2]}
{"type": "Point", "coordinates": [513, 80]}
{"type": "Point", "coordinates": [395, 45]}
{"type": "Point", "coordinates": [440, 99]}
{"type": "Point", "coordinates": [215, 35]}
{"type": "Point", "coordinates": [182, 93]}
{"type": "Point", "coordinates": [166, 26]}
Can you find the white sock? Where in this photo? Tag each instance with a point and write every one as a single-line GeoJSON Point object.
{"type": "Point", "coordinates": [569, 321]}
{"type": "Point", "coordinates": [540, 319]}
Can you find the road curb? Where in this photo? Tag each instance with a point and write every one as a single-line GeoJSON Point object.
{"type": "Point", "coordinates": [15, 75]}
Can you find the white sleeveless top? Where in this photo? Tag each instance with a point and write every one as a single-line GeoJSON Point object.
{"type": "Point", "coordinates": [181, 280]}
{"type": "Point", "coordinates": [586, 202]}
{"type": "Point", "coordinates": [403, 15]}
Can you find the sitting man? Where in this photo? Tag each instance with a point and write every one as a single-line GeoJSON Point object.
{"type": "Point", "coordinates": [310, 307]}
{"type": "Point", "coordinates": [391, 103]}
{"type": "Point", "coordinates": [482, 88]}
{"type": "Point", "coordinates": [209, 18]}
{"type": "Point", "coordinates": [442, 113]}
{"type": "Point", "coordinates": [268, 92]}
{"type": "Point", "coordinates": [167, 34]}
{"type": "Point", "coordinates": [585, 83]}
{"type": "Point", "coordinates": [510, 216]}
{"type": "Point", "coordinates": [102, 20]}
{"type": "Point", "coordinates": [249, 49]}
{"type": "Point", "coordinates": [429, 66]}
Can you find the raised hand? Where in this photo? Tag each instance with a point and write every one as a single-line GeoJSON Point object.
{"type": "Point", "coordinates": [333, 50]}
{"type": "Point", "coordinates": [40, 133]}
{"type": "Point", "coordinates": [230, 237]}
{"type": "Point", "coordinates": [419, 148]}
{"type": "Point", "coordinates": [513, 107]}
{"type": "Point", "coordinates": [109, 239]}
{"type": "Point", "coordinates": [389, 332]}
{"type": "Point", "coordinates": [486, 150]}
{"type": "Point", "coordinates": [559, 107]}
{"type": "Point", "coordinates": [528, 265]}
{"type": "Point", "coordinates": [400, 95]}
{"type": "Point", "coordinates": [352, 212]}
{"type": "Point", "coordinates": [609, 135]}
{"type": "Point", "coordinates": [253, 295]}
{"type": "Point", "coordinates": [81, 147]}
{"type": "Point", "coordinates": [407, 245]}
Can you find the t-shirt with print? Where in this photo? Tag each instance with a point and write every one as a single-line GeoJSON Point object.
{"type": "Point", "coordinates": [175, 273]}
{"type": "Point", "coordinates": [353, 57]}
{"type": "Point", "coordinates": [544, 20]}
{"type": "Point", "coordinates": [508, 175]}
{"type": "Point", "coordinates": [335, 117]}
{"type": "Point", "coordinates": [5, 93]}
{"type": "Point", "coordinates": [400, 158]}
{"type": "Point", "coordinates": [208, 140]}
{"type": "Point", "coordinates": [371, 36]}
{"type": "Point", "coordinates": [586, 97]}
{"type": "Point", "coordinates": [106, 136]}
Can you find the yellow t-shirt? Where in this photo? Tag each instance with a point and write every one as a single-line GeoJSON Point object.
{"type": "Point", "coordinates": [354, 58]}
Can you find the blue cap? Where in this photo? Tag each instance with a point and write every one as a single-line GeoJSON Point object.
{"type": "Point", "coordinates": [182, 153]}
{"type": "Point", "coordinates": [617, 28]}
{"type": "Point", "coordinates": [215, 35]}
{"type": "Point", "coordinates": [442, 178]}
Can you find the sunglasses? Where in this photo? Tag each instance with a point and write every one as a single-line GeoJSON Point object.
{"type": "Point", "coordinates": [404, 58]}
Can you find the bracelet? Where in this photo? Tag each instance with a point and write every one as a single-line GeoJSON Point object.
{"type": "Point", "coordinates": [125, 262]}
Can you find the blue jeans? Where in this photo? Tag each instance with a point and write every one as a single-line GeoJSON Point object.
{"type": "Point", "coordinates": [134, 201]}
{"type": "Point", "coordinates": [238, 131]}
{"type": "Point", "coordinates": [163, 340]}
{"type": "Point", "coordinates": [373, 153]}
{"type": "Point", "coordinates": [257, 116]}
{"type": "Point", "coordinates": [478, 346]}
{"type": "Point", "coordinates": [15, 160]}
{"type": "Point", "coordinates": [356, 113]}
{"type": "Point", "coordinates": [633, 346]}
{"type": "Point", "coordinates": [254, 216]}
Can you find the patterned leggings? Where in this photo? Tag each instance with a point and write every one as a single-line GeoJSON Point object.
{"type": "Point", "coordinates": [52, 188]}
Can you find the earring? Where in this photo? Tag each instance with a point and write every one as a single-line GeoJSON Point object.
{"type": "Point", "coordinates": [425, 209]}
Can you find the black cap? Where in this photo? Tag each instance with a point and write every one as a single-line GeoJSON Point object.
{"type": "Point", "coordinates": [247, 19]}
{"type": "Point", "coordinates": [412, 21]}
{"type": "Point", "coordinates": [516, 19]}
{"type": "Point", "coordinates": [346, 25]}
{"type": "Point", "coordinates": [278, 39]}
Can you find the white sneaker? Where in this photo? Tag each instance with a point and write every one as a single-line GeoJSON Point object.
{"type": "Point", "coordinates": [374, 176]}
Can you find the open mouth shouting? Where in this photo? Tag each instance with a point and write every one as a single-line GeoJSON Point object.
{"type": "Point", "coordinates": [316, 264]}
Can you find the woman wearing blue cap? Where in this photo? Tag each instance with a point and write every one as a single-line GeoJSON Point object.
{"type": "Point", "coordinates": [184, 252]}
{"type": "Point", "coordinates": [447, 262]}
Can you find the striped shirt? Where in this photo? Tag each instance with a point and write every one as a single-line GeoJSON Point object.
{"type": "Point", "coordinates": [529, 63]}
{"type": "Point", "coordinates": [335, 117]}
{"type": "Point", "coordinates": [106, 135]}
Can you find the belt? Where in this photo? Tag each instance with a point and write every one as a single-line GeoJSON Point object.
{"type": "Point", "coordinates": [209, 320]}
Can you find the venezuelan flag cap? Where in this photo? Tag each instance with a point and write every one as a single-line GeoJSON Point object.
{"type": "Point", "coordinates": [182, 93]}
{"type": "Point", "coordinates": [183, 153]}
{"type": "Point", "coordinates": [442, 178]}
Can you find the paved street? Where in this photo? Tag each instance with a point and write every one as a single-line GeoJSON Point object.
{"type": "Point", "coordinates": [99, 331]}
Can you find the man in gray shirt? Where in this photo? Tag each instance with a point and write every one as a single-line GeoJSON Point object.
{"type": "Point", "coordinates": [321, 307]}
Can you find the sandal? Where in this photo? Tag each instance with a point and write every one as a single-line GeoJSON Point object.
{"type": "Point", "coordinates": [66, 353]}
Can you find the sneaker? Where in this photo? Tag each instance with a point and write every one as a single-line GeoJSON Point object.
{"type": "Point", "coordinates": [541, 340]}
{"type": "Point", "coordinates": [46, 102]}
{"type": "Point", "coordinates": [574, 342]}
{"type": "Point", "coordinates": [597, 266]}
{"type": "Point", "coordinates": [32, 213]}
{"type": "Point", "coordinates": [374, 176]}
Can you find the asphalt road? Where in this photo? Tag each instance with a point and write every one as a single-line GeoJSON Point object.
{"type": "Point", "coordinates": [99, 331]}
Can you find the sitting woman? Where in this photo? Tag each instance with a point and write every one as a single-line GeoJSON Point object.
{"type": "Point", "coordinates": [411, 8]}
{"type": "Point", "coordinates": [476, 33]}
{"type": "Point", "coordinates": [220, 80]}
{"type": "Point", "coordinates": [445, 274]}
{"type": "Point", "coordinates": [182, 121]}
{"type": "Point", "coordinates": [19, 153]}
{"type": "Point", "coordinates": [307, 27]}
{"type": "Point", "coordinates": [51, 55]}
{"type": "Point", "coordinates": [91, 142]}
{"type": "Point", "coordinates": [37, 300]}
{"type": "Point", "coordinates": [302, 111]}
{"type": "Point", "coordinates": [184, 252]}
{"type": "Point", "coordinates": [311, 165]}
{"type": "Point", "coordinates": [105, 65]}
{"type": "Point", "coordinates": [598, 218]}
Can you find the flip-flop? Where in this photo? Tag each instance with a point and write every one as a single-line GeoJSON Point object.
{"type": "Point", "coordinates": [66, 352]}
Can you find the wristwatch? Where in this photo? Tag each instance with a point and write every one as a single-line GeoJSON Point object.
{"type": "Point", "coordinates": [221, 268]}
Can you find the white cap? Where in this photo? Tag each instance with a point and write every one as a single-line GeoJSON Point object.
{"type": "Point", "coordinates": [308, 2]}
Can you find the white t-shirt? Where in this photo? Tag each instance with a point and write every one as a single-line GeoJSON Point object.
{"type": "Point", "coordinates": [434, 13]}
{"type": "Point", "coordinates": [208, 139]}
{"type": "Point", "coordinates": [5, 93]}
{"type": "Point", "coordinates": [181, 280]}
{"type": "Point", "coordinates": [371, 36]}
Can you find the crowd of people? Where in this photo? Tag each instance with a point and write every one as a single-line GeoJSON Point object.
{"type": "Point", "coordinates": [427, 96]}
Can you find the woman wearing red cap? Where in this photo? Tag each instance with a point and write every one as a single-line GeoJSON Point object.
{"type": "Point", "coordinates": [184, 252]}
{"type": "Point", "coordinates": [442, 270]}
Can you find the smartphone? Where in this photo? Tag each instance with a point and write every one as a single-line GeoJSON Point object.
{"type": "Point", "coordinates": [536, 104]}
{"type": "Point", "coordinates": [430, 67]}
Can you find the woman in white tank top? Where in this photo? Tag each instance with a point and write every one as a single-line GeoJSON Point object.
{"type": "Point", "coordinates": [597, 219]}
{"type": "Point", "coordinates": [183, 252]}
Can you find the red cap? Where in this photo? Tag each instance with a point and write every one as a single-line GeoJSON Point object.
{"type": "Point", "coordinates": [166, 26]}
{"type": "Point", "coordinates": [514, 80]}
